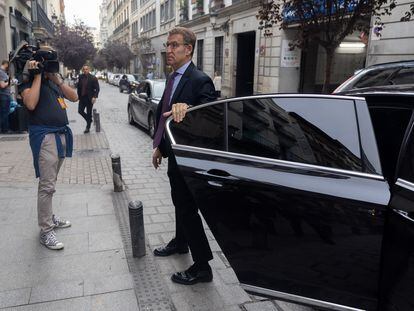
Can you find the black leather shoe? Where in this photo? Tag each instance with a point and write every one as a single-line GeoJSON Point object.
{"type": "Point", "coordinates": [86, 130]}
{"type": "Point", "coordinates": [170, 249]}
{"type": "Point", "coordinates": [193, 275]}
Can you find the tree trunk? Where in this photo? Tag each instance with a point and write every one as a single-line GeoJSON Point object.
{"type": "Point", "coordinates": [330, 54]}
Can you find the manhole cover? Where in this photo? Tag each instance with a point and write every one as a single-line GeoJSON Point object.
{"type": "Point", "coordinates": [12, 138]}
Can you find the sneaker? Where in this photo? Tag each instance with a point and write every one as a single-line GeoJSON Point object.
{"type": "Point", "coordinates": [49, 240]}
{"type": "Point", "coordinates": [60, 223]}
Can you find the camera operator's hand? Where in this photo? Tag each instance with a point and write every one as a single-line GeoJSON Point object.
{"type": "Point", "coordinates": [34, 68]}
{"type": "Point", "coordinates": [54, 77]}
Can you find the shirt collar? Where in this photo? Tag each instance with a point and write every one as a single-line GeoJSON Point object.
{"type": "Point", "coordinates": [183, 68]}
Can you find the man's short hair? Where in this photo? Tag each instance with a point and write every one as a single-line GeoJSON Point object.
{"type": "Point", "coordinates": [189, 36]}
{"type": "Point", "coordinates": [4, 62]}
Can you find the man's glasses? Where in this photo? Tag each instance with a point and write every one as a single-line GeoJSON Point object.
{"type": "Point", "coordinates": [173, 45]}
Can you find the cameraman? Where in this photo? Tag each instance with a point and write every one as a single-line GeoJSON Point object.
{"type": "Point", "coordinates": [50, 140]}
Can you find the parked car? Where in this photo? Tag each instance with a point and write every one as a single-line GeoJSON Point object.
{"type": "Point", "coordinates": [116, 78]}
{"type": "Point", "coordinates": [310, 197]}
{"type": "Point", "coordinates": [127, 83]}
{"type": "Point", "coordinates": [396, 73]}
{"type": "Point", "coordinates": [143, 102]}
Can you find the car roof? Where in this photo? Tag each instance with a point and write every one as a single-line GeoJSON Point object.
{"type": "Point", "coordinates": [401, 89]}
{"type": "Point", "coordinates": [391, 64]}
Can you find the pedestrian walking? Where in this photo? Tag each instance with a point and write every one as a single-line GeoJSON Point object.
{"type": "Point", "coordinates": [50, 140]}
{"type": "Point", "coordinates": [4, 97]}
{"type": "Point", "coordinates": [88, 91]}
{"type": "Point", "coordinates": [185, 86]}
{"type": "Point", "coordinates": [217, 83]}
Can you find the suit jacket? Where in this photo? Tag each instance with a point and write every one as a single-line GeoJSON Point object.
{"type": "Point", "coordinates": [195, 88]}
{"type": "Point", "coordinates": [92, 88]}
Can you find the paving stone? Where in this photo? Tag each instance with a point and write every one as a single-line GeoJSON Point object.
{"type": "Point", "coordinates": [227, 275]}
{"type": "Point", "coordinates": [78, 304]}
{"type": "Point", "coordinates": [108, 284]}
{"type": "Point", "coordinates": [99, 241]}
{"type": "Point", "coordinates": [292, 307]}
{"type": "Point", "coordinates": [160, 218]}
{"type": "Point", "coordinates": [261, 306]}
{"type": "Point", "coordinates": [14, 297]}
{"type": "Point", "coordinates": [97, 208]}
{"type": "Point", "coordinates": [56, 291]}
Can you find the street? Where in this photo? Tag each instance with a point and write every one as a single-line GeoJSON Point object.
{"type": "Point", "coordinates": [96, 270]}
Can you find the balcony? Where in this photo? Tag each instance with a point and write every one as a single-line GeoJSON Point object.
{"type": "Point", "coordinates": [122, 26]}
{"type": "Point", "coordinates": [43, 28]}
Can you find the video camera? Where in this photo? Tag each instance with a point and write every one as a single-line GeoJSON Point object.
{"type": "Point", "coordinates": [24, 53]}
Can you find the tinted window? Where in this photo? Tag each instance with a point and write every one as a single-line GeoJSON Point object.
{"type": "Point", "coordinates": [377, 77]}
{"type": "Point", "coordinates": [158, 89]}
{"type": "Point", "coordinates": [307, 130]}
{"type": "Point", "coordinates": [201, 128]}
{"type": "Point", "coordinates": [404, 76]}
{"type": "Point", "coordinates": [407, 166]}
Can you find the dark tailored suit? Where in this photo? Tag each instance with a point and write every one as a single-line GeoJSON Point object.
{"type": "Point", "coordinates": [92, 90]}
{"type": "Point", "coordinates": [194, 88]}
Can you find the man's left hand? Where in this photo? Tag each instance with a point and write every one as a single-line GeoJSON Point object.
{"type": "Point", "coordinates": [93, 100]}
{"type": "Point", "coordinates": [178, 112]}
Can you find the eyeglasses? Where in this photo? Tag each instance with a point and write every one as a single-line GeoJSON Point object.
{"type": "Point", "coordinates": [173, 45]}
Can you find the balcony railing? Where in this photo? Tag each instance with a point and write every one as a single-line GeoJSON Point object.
{"type": "Point", "coordinates": [42, 21]}
{"type": "Point", "coordinates": [122, 26]}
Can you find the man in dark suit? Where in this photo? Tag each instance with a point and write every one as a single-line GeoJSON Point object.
{"type": "Point", "coordinates": [185, 86]}
{"type": "Point", "coordinates": [88, 90]}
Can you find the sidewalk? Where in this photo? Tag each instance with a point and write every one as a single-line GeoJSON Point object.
{"type": "Point", "coordinates": [91, 273]}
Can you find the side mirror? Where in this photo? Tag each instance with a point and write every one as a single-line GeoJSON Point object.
{"type": "Point", "coordinates": [143, 96]}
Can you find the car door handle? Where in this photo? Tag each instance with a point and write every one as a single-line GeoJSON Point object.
{"type": "Point", "coordinates": [217, 174]}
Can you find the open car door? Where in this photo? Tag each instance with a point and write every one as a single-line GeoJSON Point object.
{"type": "Point", "coordinates": [291, 187]}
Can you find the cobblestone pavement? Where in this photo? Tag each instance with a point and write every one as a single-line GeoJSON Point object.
{"type": "Point", "coordinates": [152, 188]}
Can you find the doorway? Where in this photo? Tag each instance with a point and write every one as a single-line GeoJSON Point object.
{"type": "Point", "coordinates": [246, 43]}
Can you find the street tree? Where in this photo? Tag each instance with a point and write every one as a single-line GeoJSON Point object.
{"type": "Point", "coordinates": [117, 54]}
{"type": "Point", "coordinates": [326, 22]}
{"type": "Point", "coordinates": [99, 62]}
{"type": "Point", "coordinates": [74, 44]}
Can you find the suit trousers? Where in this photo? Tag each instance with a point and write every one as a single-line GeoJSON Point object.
{"type": "Point", "coordinates": [84, 102]}
{"type": "Point", "coordinates": [49, 165]}
{"type": "Point", "coordinates": [189, 227]}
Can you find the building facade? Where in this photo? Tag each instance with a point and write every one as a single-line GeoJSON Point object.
{"type": "Point", "coordinates": [229, 44]}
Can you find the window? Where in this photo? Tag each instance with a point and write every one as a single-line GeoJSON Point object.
{"type": "Point", "coordinates": [162, 13]}
{"type": "Point", "coordinates": [404, 76]}
{"type": "Point", "coordinates": [218, 55]}
{"type": "Point", "coordinates": [202, 128]}
{"type": "Point", "coordinates": [306, 130]}
{"type": "Point", "coordinates": [200, 47]}
{"type": "Point", "coordinates": [377, 77]}
{"type": "Point", "coordinates": [407, 167]}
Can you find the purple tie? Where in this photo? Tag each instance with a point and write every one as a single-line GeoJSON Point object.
{"type": "Point", "coordinates": [165, 107]}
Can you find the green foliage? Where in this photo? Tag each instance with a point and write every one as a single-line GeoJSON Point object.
{"type": "Point", "coordinates": [117, 54]}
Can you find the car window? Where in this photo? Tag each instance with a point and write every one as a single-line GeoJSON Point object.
{"type": "Point", "coordinates": [158, 89]}
{"type": "Point", "coordinates": [376, 77]}
{"type": "Point", "coordinates": [407, 165]}
{"type": "Point", "coordinates": [202, 128]}
{"type": "Point", "coordinates": [306, 130]}
{"type": "Point", "coordinates": [141, 88]}
{"type": "Point", "coordinates": [404, 76]}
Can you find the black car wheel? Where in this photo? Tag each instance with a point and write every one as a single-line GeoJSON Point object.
{"type": "Point", "coordinates": [130, 117]}
{"type": "Point", "coordinates": [151, 125]}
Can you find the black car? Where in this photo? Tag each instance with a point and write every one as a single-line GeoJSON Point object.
{"type": "Point", "coordinates": [310, 197]}
{"type": "Point", "coordinates": [143, 102]}
{"type": "Point", "coordinates": [396, 73]}
{"type": "Point", "coordinates": [127, 83]}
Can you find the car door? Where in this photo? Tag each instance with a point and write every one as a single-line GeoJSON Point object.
{"type": "Point", "coordinates": [292, 193]}
{"type": "Point", "coordinates": [141, 102]}
{"type": "Point", "coordinates": [397, 277]}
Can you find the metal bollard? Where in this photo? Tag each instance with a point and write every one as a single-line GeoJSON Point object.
{"type": "Point", "coordinates": [136, 224]}
{"type": "Point", "coordinates": [117, 173]}
{"type": "Point", "coordinates": [97, 123]}
{"type": "Point", "coordinates": [94, 115]}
